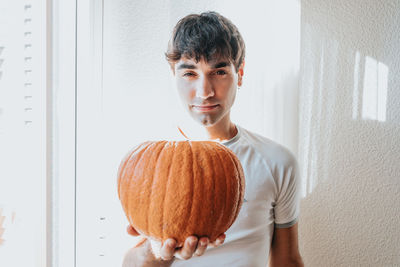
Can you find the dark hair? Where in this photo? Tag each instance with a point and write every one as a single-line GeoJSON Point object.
{"type": "Point", "coordinates": [206, 36]}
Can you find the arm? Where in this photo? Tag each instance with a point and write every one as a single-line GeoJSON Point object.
{"type": "Point", "coordinates": [285, 249]}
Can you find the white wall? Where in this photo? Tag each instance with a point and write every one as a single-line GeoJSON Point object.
{"type": "Point", "coordinates": [136, 34]}
{"type": "Point", "coordinates": [349, 143]}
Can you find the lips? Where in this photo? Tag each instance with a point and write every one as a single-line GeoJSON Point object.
{"type": "Point", "coordinates": [205, 107]}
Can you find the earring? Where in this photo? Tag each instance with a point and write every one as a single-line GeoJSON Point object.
{"type": "Point", "coordinates": [238, 88]}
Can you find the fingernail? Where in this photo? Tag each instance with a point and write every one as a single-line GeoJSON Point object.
{"type": "Point", "coordinates": [192, 241]}
{"type": "Point", "coordinates": [171, 243]}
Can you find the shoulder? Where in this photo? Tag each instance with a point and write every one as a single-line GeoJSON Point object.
{"type": "Point", "coordinates": [277, 155]}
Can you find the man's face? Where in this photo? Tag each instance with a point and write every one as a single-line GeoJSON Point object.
{"type": "Point", "coordinates": [207, 89]}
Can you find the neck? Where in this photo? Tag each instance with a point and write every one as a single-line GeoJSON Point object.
{"type": "Point", "coordinates": [222, 130]}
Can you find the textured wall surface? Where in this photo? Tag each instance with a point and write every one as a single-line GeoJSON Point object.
{"type": "Point", "coordinates": [350, 133]}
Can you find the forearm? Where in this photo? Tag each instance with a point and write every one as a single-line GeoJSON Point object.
{"type": "Point", "coordinates": [143, 257]}
{"type": "Point", "coordinates": [285, 248]}
{"type": "Point", "coordinates": [278, 261]}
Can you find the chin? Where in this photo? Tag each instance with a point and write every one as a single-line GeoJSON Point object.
{"type": "Point", "coordinates": [205, 120]}
{"type": "Point", "coordinates": [206, 123]}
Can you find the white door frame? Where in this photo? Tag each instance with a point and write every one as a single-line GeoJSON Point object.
{"type": "Point", "coordinates": [74, 65]}
{"type": "Point", "coordinates": [62, 162]}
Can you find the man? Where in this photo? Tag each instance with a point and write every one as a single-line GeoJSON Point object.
{"type": "Point", "coordinates": [206, 55]}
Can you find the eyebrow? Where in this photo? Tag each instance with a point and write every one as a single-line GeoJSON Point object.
{"type": "Point", "coordinates": [192, 66]}
{"type": "Point", "coordinates": [221, 65]}
{"type": "Point", "coordinates": [186, 66]}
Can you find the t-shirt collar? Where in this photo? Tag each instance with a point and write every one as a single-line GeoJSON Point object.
{"type": "Point", "coordinates": [233, 139]}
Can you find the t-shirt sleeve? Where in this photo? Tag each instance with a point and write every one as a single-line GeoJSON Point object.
{"type": "Point", "coordinates": [287, 206]}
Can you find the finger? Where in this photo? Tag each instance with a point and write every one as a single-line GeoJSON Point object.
{"type": "Point", "coordinates": [186, 252]}
{"type": "Point", "coordinates": [219, 241]}
{"type": "Point", "coordinates": [168, 249]}
{"type": "Point", "coordinates": [131, 231]}
{"type": "Point", "coordinates": [201, 246]}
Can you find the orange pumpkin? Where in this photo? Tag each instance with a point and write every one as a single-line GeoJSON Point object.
{"type": "Point", "coordinates": [181, 188]}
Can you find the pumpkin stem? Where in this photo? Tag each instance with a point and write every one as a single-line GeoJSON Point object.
{"type": "Point", "coordinates": [141, 242]}
{"type": "Point", "coordinates": [180, 130]}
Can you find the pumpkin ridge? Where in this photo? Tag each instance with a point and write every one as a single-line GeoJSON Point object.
{"type": "Point", "coordinates": [211, 211]}
{"type": "Point", "coordinates": [202, 185]}
{"type": "Point", "coordinates": [179, 202]}
{"type": "Point", "coordinates": [152, 185]}
{"type": "Point", "coordinates": [241, 182]}
{"type": "Point", "coordinates": [226, 190]}
{"type": "Point", "coordinates": [123, 167]}
{"type": "Point", "coordinates": [192, 183]}
{"type": "Point", "coordinates": [122, 170]}
{"type": "Point", "coordinates": [160, 182]}
{"type": "Point", "coordinates": [138, 201]}
{"type": "Point", "coordinates": [127, 180]}
{"type": "Point", "coordinates": [216, 215]}
{"type": "Point", "coordinates": [166, 188]}
{"type": "Point", "coordinates": [198, 183]}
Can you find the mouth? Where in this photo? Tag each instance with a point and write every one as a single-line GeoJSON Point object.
{"type": "Point", "coordinates": [203, 108]}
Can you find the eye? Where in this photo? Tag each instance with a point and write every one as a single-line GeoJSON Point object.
{"type": "Point", "coordinates": [188, 74]}
{"type": "Point", "coordinates": [220, 72]}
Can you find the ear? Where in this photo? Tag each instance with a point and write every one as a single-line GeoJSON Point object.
{"type": "Point", "coordinates": [240, 74]}
{"type": "Point", "coordinates": [172, 67]}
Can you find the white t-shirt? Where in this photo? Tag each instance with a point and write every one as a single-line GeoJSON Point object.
{"type": "Point", "coordinates": [271, 199]}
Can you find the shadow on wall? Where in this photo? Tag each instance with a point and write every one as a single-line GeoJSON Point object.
{"type": "Point", "coordinates": [284, 109]}
{"type": "Point", "coordinates": [349, 142]}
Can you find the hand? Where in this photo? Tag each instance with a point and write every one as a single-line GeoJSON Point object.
{"type": "Point", "coordinates": [192, 246]}
{"type": "Point", "coordinates": [142, 254]}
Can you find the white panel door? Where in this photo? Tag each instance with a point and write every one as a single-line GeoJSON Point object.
{"type": "Point", "coordinates": [23, 132]}
{"type": "Point", "coordinates": [116, 109]}
{"type": "Point", "coordinates": [126, 95]}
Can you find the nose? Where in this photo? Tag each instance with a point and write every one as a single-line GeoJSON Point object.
{"type": "Point", "coordinates": [204, 88]}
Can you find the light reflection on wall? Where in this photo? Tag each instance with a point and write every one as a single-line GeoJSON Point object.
{"type": "Point", "coordinates": [317, 106]}
{"type": "Point", "coordinates": [374, 90]}
{"type": "Point", "coordinates": [356, 84]}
